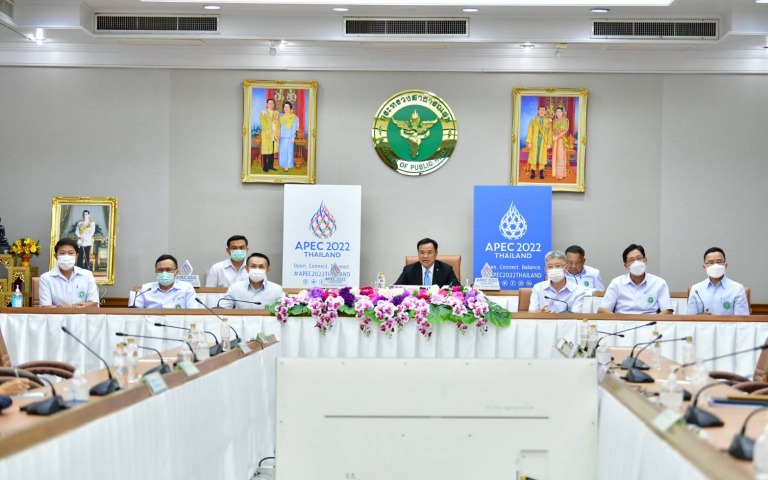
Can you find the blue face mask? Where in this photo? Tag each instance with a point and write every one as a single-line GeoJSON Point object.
{"type": "Point", "coordinates": [237, 255]}
{"type": "Point", "coordinates": [165, 278]}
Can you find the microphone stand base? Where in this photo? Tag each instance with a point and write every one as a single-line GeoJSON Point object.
{"type": "Point", "coordinates": [626, 364]}
{"type": "Point", "coordinates": [636, 376]}
{"type": "Point", "coordinates": [697, 416]}
{"type": "Point", "coordinates": [105, 388]}
{"type": "Point", "coordinates": [215, 350]}
{"type": "Point", "coordinates": [46, 407]}
{"type": "Point", "coordinates": [742, 447]}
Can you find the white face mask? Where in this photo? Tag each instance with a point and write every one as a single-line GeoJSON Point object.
{"type": "Point", "coordinates": [257, 274]}
{"type": "Point", "coordinates": [555, 274]}
{"type": "Point", "coordinates": [65, 262]}
{"type": "Point", "coordinates": [637, 268]}
{"type": "Point", "coordinates": [716, 271]}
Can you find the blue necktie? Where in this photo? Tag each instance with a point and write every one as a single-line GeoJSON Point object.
{"type": "Point", "coordinates": [427, 278]}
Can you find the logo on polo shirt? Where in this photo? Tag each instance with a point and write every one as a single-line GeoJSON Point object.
{"type": "Point", "coordinates": [727, 305]}
{"type": "Point", "coordinates": [178, 305]}
{"type": "Point", "coordinates": [414, 132]}
{"type": "Point", "coordinates": [586, 283]}
{"type": "Point", "coordinates": [650, 299]}
{"type": "Point", "coordinates": [81, 294]}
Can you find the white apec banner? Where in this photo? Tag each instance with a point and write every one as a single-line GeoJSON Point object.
{"type": "Point", "coordinates": [321, 236]}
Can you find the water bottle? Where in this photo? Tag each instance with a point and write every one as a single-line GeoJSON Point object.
{"type": "Point", "coordinates": [699, 377]}
{"type": "Point", "coordinates": [225, 334]}
{"type": "Point", "coordinates": [671, 395]}
{"type": "Point", "coordinates": [760, 456]}
{"type": "Point", "coordinates": [381, 280]}
{"type": "Point", "coordinates": [689, 355]}
{"type": "Point", "coordinates": [592, 338]}
{"type": "Point", "coordinates": [17, 300]}
{"type": "Point", "coordinates": [120, 363]}
{"type": "Point", "coordinates": [79, 387]}
{"type": "Point", "coordinates": [584, 332]}
{"type": "Point", "coordinates": [132, 364]}
{"type": "Point", "coordinates": [184, 355]}
{"type": "Point", "coordinates": [656, 353]}
{"type": "Point", "coordinates": [196, 339]}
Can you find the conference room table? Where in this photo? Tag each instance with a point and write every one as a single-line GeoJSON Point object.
{"type": "Point", "coordinates": [218, 423]}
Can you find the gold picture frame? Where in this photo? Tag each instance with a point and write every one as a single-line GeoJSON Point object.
{"type": "Point", "coordinates": [289, 134]}
{"type": "Point", "coordinates": [549, 149]}
{"type": "Point", "coordinates": [100, 231]}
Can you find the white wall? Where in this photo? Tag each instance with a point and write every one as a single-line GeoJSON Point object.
{"type": "Point", "coordinates": [167, 144]}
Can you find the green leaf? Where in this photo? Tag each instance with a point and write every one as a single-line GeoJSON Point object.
{"type": "Point", "coordinates": [498, 315]}
{"type": "Point", "coordinates": [347, 310]}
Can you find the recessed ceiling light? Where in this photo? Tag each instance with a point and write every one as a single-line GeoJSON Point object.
{"type": "Point", "coordinates": [761, 1]}
{"type": "Point", "coordinates": [211, 7]}
{"type": "Point", "coordinates": [470, 10]}
{"type": "Point", "coordinates": [527, 45]}
{"type": "Point", "coordinates": [600, 10]}
{"type": "Point", "coordinates": [341, 9]}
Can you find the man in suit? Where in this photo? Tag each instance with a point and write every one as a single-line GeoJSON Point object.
{"type": "Point", "coordinates": [428, 270]}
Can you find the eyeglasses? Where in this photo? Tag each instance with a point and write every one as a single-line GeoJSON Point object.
{"type": "Point", "coordinates": [632, 260]}
{"type": "Point", "coordinates": [714, 262]}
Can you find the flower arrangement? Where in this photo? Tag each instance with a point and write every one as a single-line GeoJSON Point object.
{"type": "Point", "coordinates": [25, 247]}
{"type": "Point", "coordinates": [390, 309]}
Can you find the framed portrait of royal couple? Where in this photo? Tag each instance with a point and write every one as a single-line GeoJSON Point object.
{"type": "Point", "coordinates": [92, 223]}
{"type": "Point", "coordinates": [279, 131]}
{"type": "Point", "coordinates": [549, 137]}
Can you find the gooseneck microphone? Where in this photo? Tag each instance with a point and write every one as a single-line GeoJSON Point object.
{"type": "Point", "coordinates": [163, 368]}
{"type": "Point", "coordinates": [218, 304]}
{"type": "Point", "coordinates": [698, 416]}
{"type": "Point", "coordinates": [107, 386]}
{"type": "Point", "coordinates": [754, 349]}
{"type": "Point", "coordinates": [597, 344]}
{"type": "Point", "coordinates": [232, 343]}
{"type": "Point", "coordinates": [123, 334]}
{"type": "Point", "coordinates": [213, 350]}
{"type": "Point", "coordinates": [635, 375]}
{"type": "Point", "coordinates": [46, 407]}
{"type": "Point", "coordinates": [641, 365]}
{"type": "Point", "coordinates": [635, 362]}
{"type": "Point", "coordinates": [703, 306]}
{"type": "Point", "coordinates": [743, 447]}
{"type": "Point", "coordinates": [136, 297]}
{"type": "Point", "coordinates": [567, 307]}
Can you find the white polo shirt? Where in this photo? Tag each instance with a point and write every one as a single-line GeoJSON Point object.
{"type": "Point", "coordinates": [570, 298]}
{"type": "Point", "coordinates": [180, 295]}
{"type": "Point", "coordinates": [268, 294]}
{"type": "Point", "coordinates": [623, 296]}
{"type": "Point", "coordinates": [224, 274]}
{"type": "Point", "coordinates": [725, 298]}
{"type": "Point", "coordinates": [589, 278]}
{"type": "Point", "coordinates": [56, 289]}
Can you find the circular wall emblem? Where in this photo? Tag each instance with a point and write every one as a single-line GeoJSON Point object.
{"type": "Point", "coordinates": [414, 132]}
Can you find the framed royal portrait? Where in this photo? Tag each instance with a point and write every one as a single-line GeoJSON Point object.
{"type": "Point", "coordinates": [279, 131]}
{"type": "Point", "coordinates": [92, 223]}
{"type": "Point", "coordinates": [549, 137]}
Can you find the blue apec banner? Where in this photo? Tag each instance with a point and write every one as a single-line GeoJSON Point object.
{"type": "Point", "coordinates": [513, 233]}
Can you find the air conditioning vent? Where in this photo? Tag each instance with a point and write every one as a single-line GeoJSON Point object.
{"type": "Point", "coordinates": [659, 29]}
{"type": "Point", "coordinates": [114, 23]}
{"type": "Point", "coordinates": [406, 27]}
{"type": "Point", "coordinates": [6, 8]}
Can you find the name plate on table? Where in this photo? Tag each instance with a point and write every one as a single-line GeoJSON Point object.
{"type": "Point", "coordinates": [188, 368]}
{"type": "Point", "coordinates": [193, 279]}
{"type": "Point", "coordinates": [484, 283]}
{"type": "Point", "coordinates": [155, 383]}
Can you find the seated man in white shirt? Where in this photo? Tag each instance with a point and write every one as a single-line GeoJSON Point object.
{"type": "Point", "coordinates": [166, 292]}
{"type": "Point", "coordinates": [717, 295]}
{"type": "Point", "coordinates": [257, 291]}
{"type": "Point", "coordinates": [556, 294]}
{"type": "Point", "coordinates": [580, 274]}
{"type": "Point", "coordinates": [637, 291]}
{"type": "Point", "coordinates": [231, 270]}
{"type": "Point", "coordinates": [67, 285]}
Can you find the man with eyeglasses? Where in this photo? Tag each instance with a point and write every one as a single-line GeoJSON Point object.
{"type": "Point", "coordinates": [556, 294]}
{"type": "Point", "coordinates": [717, 295]}
{"type": "Point", "coordinates": [577, 272]}
{"type": "Point", "coordinates": [166, 292]}
{"type": "Point", "coordinates": [637, 291]}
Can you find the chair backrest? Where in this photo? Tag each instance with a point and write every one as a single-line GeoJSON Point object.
{"type": "Point", "coordinates": [761, 368]}
{"type": "Point", "coordinates": [34, 297]}
{"type": "Point", "coordinates": [524, 299]}
{"type": "Point", "coordinates": [746, 290]}
{"type": "Point", "coordinates": [452, 260]}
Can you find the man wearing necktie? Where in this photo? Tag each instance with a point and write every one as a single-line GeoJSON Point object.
{"type": "Point", "coordinates": [428, 270]}
{"type": "Point", "coordinates": [538, 141]}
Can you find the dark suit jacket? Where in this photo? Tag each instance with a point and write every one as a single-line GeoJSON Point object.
{"type": "Point", "coordinates": [442, 274]}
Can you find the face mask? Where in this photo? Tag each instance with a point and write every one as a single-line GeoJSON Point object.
{"type": "Point", "coordinates": [165, 278]}
{"type": "Point", "coordinates": [257, 274]}
{"type": "Point", "coordinates": [555, 274]}
{"type": "Point", "coordinates": [66, 262]}
{"type": "Point", "coordinates": [237, 255]}
{"type": "Point", "coordinates": [716, 271]}
{"type": "Point", "coordinates": [637, 268]}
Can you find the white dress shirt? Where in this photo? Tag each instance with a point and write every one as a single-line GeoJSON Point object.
{"type": "Point", "coordinates": [224, 274]}
{"type": "Point", "coordinates": [56, 289]}
{"type": "Point", "coordinates": [623, 296]}
{"type": "Point", "coordinates": [180, 295]}
{"type": "Point", "coordinates": [725, 298]}
{"type": "Point", "coordinates": [570, 298]}
{"type": "Point", "coordinates": [589, 278]}
{"type": "Point", "coordinates": [268, 294]}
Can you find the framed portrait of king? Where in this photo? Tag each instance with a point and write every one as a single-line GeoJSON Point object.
{"type": "Point", "coordinates": [279, 131]}
{"type": "Point", "coordinates": [549, 137]}
{"type": "Point", "coordinates": [92, 223]}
